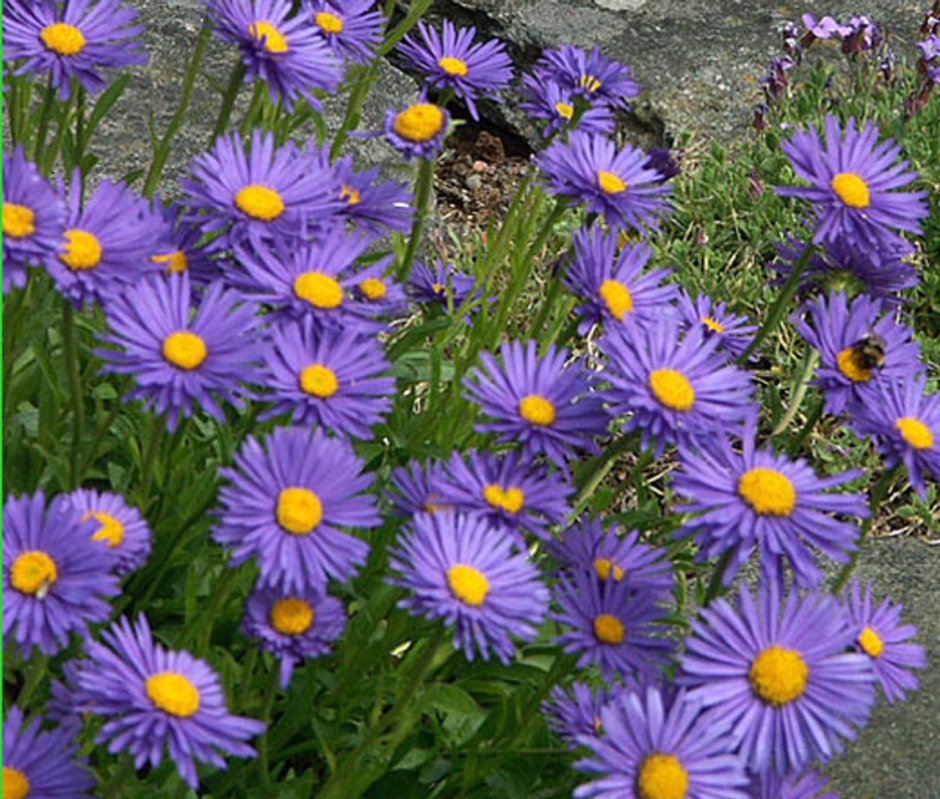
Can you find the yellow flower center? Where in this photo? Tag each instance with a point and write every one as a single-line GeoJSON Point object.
{"type": "Point", "coordinates": [274, 41]}
{"type": "Point", "coordinates": [767, 491]}
{"type": "Point", "coordinates": [564, 110]}
{"type": "Point", "coordinates": [82, 250]}
{"type": "Point", "coordinates": [419, 122]}
{"type": "Point", "coordinates": [608, 629]}
{"type": "Point", "coordinates": [33, 572]}
{"type": "Point", "coordinates": [469, 585]}
{"type": "Point", "coordinates": [603, 568]}
{"type": "Point", "coordinates": [509, 499]}
{"type": "Point", "coordinates": [298, 510]}
{"type": "Point", "coordinates": [173, 693]}
{"type": "Point", "coordinates": [259, 202]}
{"type": "Point", "coordinates": [351, 195]}
{"type": "Point", "coordinates": [713, 324]}
{"type": "Point", "coordinates": [291, 616]}
{"type": "Point", "coordinates": [320, 290]}
{"type": "Point", "coordinates": [851, 189]}
{"type": "Point", "coordinates": [62, 38]}
{"type": "Point", "coordinates": [329, 23]}
{"type": "Point", "coordinates": [175, 261]}
{"type": "Point", "coordinates": [590, 83]}
{"type": "Point", "coordinates": [320, 381]}
{"type": "Point", "coordinates": [111, 529]}
{"type": "Point", "coordinates": [15, 784]}
{"type": "Point", "coordinates": [373, 289]}
{"type": "Point", "coordinates": [915, 432]}
{"type": "Point", "coordinates": [617, 298]}
{"type": "Point", "coordinates": [18, 221]}
{"type": "Point", "coordinates": [850, 365]}
{"type": "Point", "coordinates": [453, 66]}
{"type": "Point", "coordinates": [662, 777]}
{"type": "Point", "coordinates": [184, 350]}
{"type": "Point", "coordinates": [778, 675]}
{"type": "Point", "coordinates": [871, 642]}
{"type": "Point", "coordinates": [609, 182]}
{"type": "Point", "coordinates": [431, 506]}
{"type": "Point", "coordinates": [672, 389]}
{"type": "Point", "coordinates": [537, 410]}
{"type": "Point", "coordinates": [439, 288]}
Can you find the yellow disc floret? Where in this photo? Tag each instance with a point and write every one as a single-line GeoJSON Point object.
{"type": "Point", "coordinates": [420, 122]}
{"type": "Point", "coordinates": [184, 350]}
{"type": "Point", "coordinates": [662, 777]}
{"type": "Point", "coordinates": [672, 389]}
{"type": "Point", "coordinates": [871, 642]}
{"type": "Point", "coordinates": [274, 41]}
{"type": "Point", "coordinates": [173, 693]}
{"type": "Point", "coordinates": [453, 66]}
{"type": "Point", "coordinates": [590, 83]}
{"type": "Point", "coordinates": [851, 189]}
{"type": "Point", "coordinates": [850, 365]}
{"type": "Point", "coordinates": [565, 111]}
{"type": "Point", "coordinates": [175, 261]}
{"type": "Point", "coordinates": [373, 289]}
{"type": "Point", "coordinates": [111, 530]}
{"type": "Point", "coordinates": [468, 584]}
{"type": "Point", "coordinates": [537, 410]}
{"type": "Point", "coordinates": [328, 23]}
{"type": "Point", "coordinates": [321, 291]}
{"type": "Point", "coordinates": [604, 567]}
{"type": "Point", "coordinates": [291, 616]}
{"type": "Point", "coordinates": [350, 195]}
{"type": "Point", "coordinates": [259, 202]}
{"type": "Point", "coordinates": [608, 629]}
{"type": "Point", "coordinates": [82, 250]}
{"type": "Point", "coordinates": [609, 182]}
{"type": "Point", "coordinates": [33, 572]}
{"type": "Point", "coordinates": [62, 38]}
{"type": "Point", "coordinates": [15, 784]}
{"type": "Point", "coordinates": [299, 510]}
{"type": "Point", "coordinates": [509, 499]}
{"type": "Point", "coordinates": [778, 675]}
{"type": "Point", "coordinates": [713, 324]}
{"type": "Point", "coordinates": [617, 298]}
{"type": "Point", "coordinates": [767, 491]}
{"type": "Point", "coordinates": [18, 221]}
{"type": "Point", "coordinates": [319, 381]}
{"type": "Point", "coordinates": [915, 432]}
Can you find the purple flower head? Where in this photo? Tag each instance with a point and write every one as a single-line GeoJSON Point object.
{"type": "Point", "coordinates": [118, 527]}
{"type": "Point", "coordinates": [757, 500]}
{"type": "Point", "coordinates": [612, 283]}
{"type": "Point", "coordinates": [42, 764]}
{"type": "Point", "coordinates": [856, 344]}
{"type": "Point", "coordinates": [734, 333]}
{"type": "Point", "coordinates": [547, 100]}
{"type": "Point", "coordinates": [588, 75]}
{"type": "Point", "coordinates": [656, 749]}
{"type": "Point", "coordinates": [676, 391]}
{"type": "Point", "coordinates": [576, 714]}
{"type": "Point", "coordinates": [460, 569]}
{"type": "Point", "coordinates": [779, 676]}
{"type": "Point", "coordinates": [352, 28]}
{"type": "Point", "coordinates": [442, 284]}
{"type": "Point", "coordinates": [180, 359]}
{"type": "Point", "coordinates": [153, 699]}
{"type": "Point", "coordinates": [293, 625]}
{"type": "Point", "coordinates": [285, 52]}
{"type": "Point", "coordinates": [33, 219]}
{"type": "Point", "coordinates": [332, 377]}
{"type": "Point", "coordinates": [664, 161]}
{"type": "Point", "coordinates": [880, 634]}
{"type": "Point", "coordinates": [930, 48]}
{"type": "Point", "coordinates": [181, 249]}
{"type": "Point", "coordinates": [55, 578]}
{"type": "Point", "coordinates": [452, 60]}
{"type": "Point", "coordinates": [288, 496]}
{"type": "Point", "coordinates": [615, 183]}
{"type": "Point", "coordinates": [612, 626]}
{"type": "Point", "coordinates": [376, 296]}
{"type": "Point", "coordinates": [537, 402]}
{"type": "Point", "coordinates": [76, 40]}
{"type": "Point", "coordinates": [805, 785]}
{"type": "Point", "coordinates": [864, 34]}
{"type": "Point", "coordinates": [414, 489]}
{"type": "Point", "coordinates": [776, 80]}
{"type": "Point", "coordinates": [852, 179]}
{"type": "Point", "coordinates": [825, 28]}
{"type": "Point", "coordinates": [417, 131]}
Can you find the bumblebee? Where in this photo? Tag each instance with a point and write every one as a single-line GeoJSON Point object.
{"type": "Point", "coordinates": [869, 351]}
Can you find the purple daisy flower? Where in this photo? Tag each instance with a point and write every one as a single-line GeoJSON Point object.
{"type": "Point", "coordinates": [548, 100]}
{"type": "Point", "coordinates": [613, 283]}
{"type": "Point", "coordinates": [589, 169]}
{"type": "Point", "coordinates": [106, 245]}
{"type": "Point", "coordinates": [444, 284]}
{"type": "Point", "coordinates": [855, 343]}
{"type": "Point", "coordinates": [588, 75]}
{"type": "Point", "coordinates": [824, 28]}
{"type": "Point", "coordinates": [376, 296]}
{"type": "Point", "coordinates": [33, 219]}
{"type": "Point", "coordinates": [452, 60]}
{"type": "Point", "coordinates": [779, 676]}
{"type": "Point", "coordinates": [654, 748]}
{"type": "Point", "coordinates": [676, 392]}
{"type": "Point", "coordinates": [283, 488]}
{"type": "Point", "coordinates": [417, 131]}
{"type": "Point", "coordinates": [906, 425]}
{"type": "Point", "coordinates": [757, 500]}
{"type": "Point", "coordinates": [352, 28]}
{"type": "Point", "coordinates": [181, 247]}
{"type": "Point", "coordinates": [537, 402]}
{"type": "Point", "coordinates": [74, 41]}
{"type": "Point", "coordinates": [460, 569]}
{"type": "Point", "coordinates": [42, 764]}
{"type": "Point", "coordinates": [293, 625]}
{"type": "Point", "coordinates": [180, 359]}
{"type": "Point", "coordinates": [575, 715]}
{"type": "Point", "coordinates": [55, 578]}
{"type": "Point", "coordinates": [120, 527]}
{"type": "Point", "coordinates": [808, 785]}
{"type": "Point", "coordinates": [880, 634]}
{"type": "Point", "coordinates": [586, 547]}
{"type": "Point", "coordinates": [414, 489]}
{"type": "Point", "coordinates": [734, 333]}
{"type": "Point", "coordinates": [333, 377]}
{"type": "Point", "coordinates": [612, 626]}
{"type": "Point", "coordinates": [852, 179]}
{"type": "Point", "coordinates": [154, 699]}
{"type": "Point", "coordinates": [507, 492]}
{"type": "Point", "coordinates": [285, 52]}
{"type": "Point", "coordinates": [265, 193]}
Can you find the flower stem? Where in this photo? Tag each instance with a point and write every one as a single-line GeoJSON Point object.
{"type": "Point", "coordinates": [799, 391]}
{"type": "Point", "coordinates": [716, 584]}
{"type": "Point", "coordinates": [228, 100]}
{"type": "Point", "coordinates": [422, 198]}
{"type": "Point", "coordinates": [70, 353]}
{"type": "Point", "coordinates": [48, 101]}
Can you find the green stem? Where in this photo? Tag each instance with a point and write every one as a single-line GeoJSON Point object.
{"type": "Point", "coordinates": [716, 584]}
{"type": "Point", "coordinates": [220, 590]}
{"type": "Point", "coordinates": [602, 464]}
{"type": "Point", "coordinates": [70, 352]}
{"type": "Point", "coordinates": [256, 107]}
{"type": "Point", "coordinates": [113, 788]}
{"type": "Point", "coordinates": [264, 768]}
{"type": "Point", "coordinates": [48, 101]}
{"type": "Point", "coordinates": [35, 673]}
{"type": "Point", "coordinates": [154, 437]}
{"type": "Point", "coordinates": [422, 198]}
{"type": "Point", "coordinates": [14, 303]}
{"type": "Point", "coordinates": [796, 443]}
{"type": "Point", "coordinates": [801, 384]}
{"type": "Point", "coordinates": [228, 100]}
